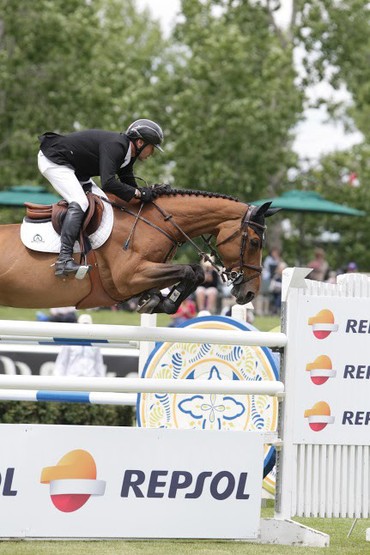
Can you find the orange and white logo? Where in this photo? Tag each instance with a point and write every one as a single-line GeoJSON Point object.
{"type": "Point", "coordinates": [323, 324]}
{"type": "Point", "coordinates": [321, 369]}
{"type": "Point", "coordinates": [72, 480]}
{"type": "Point", "coordinates": [319, 416]}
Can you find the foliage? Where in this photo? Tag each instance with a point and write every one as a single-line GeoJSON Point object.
{"type": "Point", "coordinates": [65, 65]}
{"type": "Point", "coordinates": [233, 100]}
{"type": "Point", "coordinates": [332, 181]}
{"type": "Point", "coordinates": [337, 42]}
{"type": "Point", "coordinates": [20, 412]}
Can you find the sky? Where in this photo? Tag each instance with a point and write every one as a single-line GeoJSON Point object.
{"type": "Point", "coordinates": [314, 136]}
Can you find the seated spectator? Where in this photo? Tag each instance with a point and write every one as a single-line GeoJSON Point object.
{"type": "Point", "coordinates": [332, 277]}
{"type": "Point", "coordinates": [186, 311]}
{"type": "Point", "coordinates": [207, 293]}
{"type": "Point", "coordinates": [319, 265]}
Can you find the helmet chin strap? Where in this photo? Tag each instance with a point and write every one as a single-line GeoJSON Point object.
{"type": "Point", "coordinates": [139, 150]}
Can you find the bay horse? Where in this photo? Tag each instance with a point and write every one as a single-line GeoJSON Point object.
{"type": "Point", "coordinates": [152, 232]}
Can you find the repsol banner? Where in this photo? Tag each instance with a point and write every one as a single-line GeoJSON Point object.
{"type": "Point", "coordinates": [40, 360]}
{"type": "Point", "coordinates": [329, 351]}
{"type": "Point", "coordinates": [105, 482]}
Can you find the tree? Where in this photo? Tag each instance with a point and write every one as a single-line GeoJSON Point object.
{"type": "Point", "coordinates": [65, 65]}
{"type": "Point", "coordinates": [233, 99]}
{"type": "Point", "coordinates": [336, 38]}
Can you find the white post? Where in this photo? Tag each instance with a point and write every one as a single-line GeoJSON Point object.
{"type": "Point", "coordinates": [146, 347]}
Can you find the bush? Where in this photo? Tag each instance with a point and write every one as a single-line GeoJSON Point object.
{"type": "Point", "coordinates": [20, 412]}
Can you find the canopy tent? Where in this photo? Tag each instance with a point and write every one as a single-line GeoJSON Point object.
{"type": "Point", "coordinates": [309, 201]}
{"type": "Point", "coordinates": [19, 194]}
{"type": "Point", "coordinates": [303, 202]}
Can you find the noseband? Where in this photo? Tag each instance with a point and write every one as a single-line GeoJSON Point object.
{"type": "Point", "coordinates": [236, 276]}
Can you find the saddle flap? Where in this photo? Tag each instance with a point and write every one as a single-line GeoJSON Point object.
{"type": "Point", "coordinates": [94, 214]}
{"type": "Point", "coordinates": [56, 212]}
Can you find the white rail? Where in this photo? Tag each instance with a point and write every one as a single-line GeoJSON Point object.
{"type": "Point", "coordinates": [142, 385]}
{"type": "Point", "coordinates": [108, 334]}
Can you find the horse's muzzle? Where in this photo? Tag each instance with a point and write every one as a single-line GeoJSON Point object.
{"type": "Point", "coordinates": [242, 297]}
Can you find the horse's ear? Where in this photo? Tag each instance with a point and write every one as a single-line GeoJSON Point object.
{"type": "Point", "coordinates": [272, 211]}
{"type": "Point", "coordinates": [265, 210]}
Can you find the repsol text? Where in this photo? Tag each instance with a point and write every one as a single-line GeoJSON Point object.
{"type": "Point", "coordinates": [171, 484]}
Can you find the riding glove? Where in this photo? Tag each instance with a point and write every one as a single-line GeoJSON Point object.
{"type": "Point", "coordinates": [146, 194]}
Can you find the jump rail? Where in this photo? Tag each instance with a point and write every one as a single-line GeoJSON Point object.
{"type": "Point", "coordinates": [96, 398]}
{"type": "Point", "coordinates": [140, 385]}
{"type": "Point", "coordinates": [99, 333]}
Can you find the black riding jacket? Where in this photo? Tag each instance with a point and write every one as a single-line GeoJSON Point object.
{"type": "Point", "coordinates": [95, 153]}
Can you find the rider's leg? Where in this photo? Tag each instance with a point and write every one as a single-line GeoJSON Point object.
{"type": "Point", "coordinates": [70, 230]}
{"type": "Point", "coordinates": [65, 182]}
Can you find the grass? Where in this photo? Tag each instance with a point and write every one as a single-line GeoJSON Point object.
{"type": "Point", "coordinates": [265, 323]}
{"type": "Point", "coordinates": [338, 530]}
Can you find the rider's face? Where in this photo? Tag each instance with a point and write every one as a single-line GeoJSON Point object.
{"type": "Point", "coordinates": [146, 152]}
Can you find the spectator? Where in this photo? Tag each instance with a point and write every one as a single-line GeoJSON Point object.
{"type": "Point", "coordinates": [186, 311]}
{"type": "Point", "coordinates": [319, 265]}
{"type": "Point", "coordinates": [61, 314]}
{"type": "Point", "coordinates": [332, 277]}
{"type": "Point", "coordinates": [80, 360]}
{"type": "Point", "coordinates": [207, 293]}
{"type": "Point", "coordinates": [263, 301]}
{"type": "Point", "coordinates": [275, 288]}
{"type": "Point", "coordinates": [351, 268]}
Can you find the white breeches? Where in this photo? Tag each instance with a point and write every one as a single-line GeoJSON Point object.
{"type": "Point", "coordinates": [64, 181]}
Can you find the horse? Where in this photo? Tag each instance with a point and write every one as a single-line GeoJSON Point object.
{"type": "Point", "coordinates": [136, 258]}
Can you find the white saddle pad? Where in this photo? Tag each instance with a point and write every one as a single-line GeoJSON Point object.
{"type": "Point", "coordinates": [41, 236]}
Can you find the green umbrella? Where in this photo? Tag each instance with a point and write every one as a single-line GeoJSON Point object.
{"type": "Point", "coordinates": [18, 195]}
{"type": "Point", "coordinates": [309, 201]}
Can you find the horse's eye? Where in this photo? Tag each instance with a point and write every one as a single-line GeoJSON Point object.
{"type": "Point", "coordinates": [255, 243]}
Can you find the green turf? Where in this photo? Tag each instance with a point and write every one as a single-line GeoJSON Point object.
{"type": "Point", "coordinates": [338, 530]}
{"type": "Point", "coordinates": [263, 323]}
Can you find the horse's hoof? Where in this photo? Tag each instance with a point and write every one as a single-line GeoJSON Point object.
{"type": "Point", "coordinates": [148, 304]}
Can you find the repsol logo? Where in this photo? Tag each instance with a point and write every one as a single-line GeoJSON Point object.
{"type": "Point", "coordinates": [162, 483]}
{"type": "Point", "coordinates": [6, 483]}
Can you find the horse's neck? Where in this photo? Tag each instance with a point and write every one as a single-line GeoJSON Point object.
{"type": "Point", "coordinates": [198, 215]}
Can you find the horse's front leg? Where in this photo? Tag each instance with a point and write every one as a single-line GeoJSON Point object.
{"type": "Point", "coordinates": [184, 279]}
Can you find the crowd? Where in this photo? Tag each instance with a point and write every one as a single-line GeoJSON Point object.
{"type": "Point", "coordinates": [268, 301]}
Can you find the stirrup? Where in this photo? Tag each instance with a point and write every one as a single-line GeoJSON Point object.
{"type": "Point", "coordinates": [61, 269]}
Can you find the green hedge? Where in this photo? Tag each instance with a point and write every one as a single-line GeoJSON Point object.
{"type": "Point", "coordinates": [21, 412]}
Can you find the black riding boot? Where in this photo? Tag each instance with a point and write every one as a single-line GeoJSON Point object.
{"type": "Point", "coordinates": [65, 264]}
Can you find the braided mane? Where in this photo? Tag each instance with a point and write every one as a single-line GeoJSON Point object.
{"type": "Point", "coordinates": [191, 192]}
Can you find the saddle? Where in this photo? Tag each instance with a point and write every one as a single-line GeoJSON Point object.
{"type": "Point", "coordinates": [93, 217]}
{"type": "Point", "coordinates": [56, 213]}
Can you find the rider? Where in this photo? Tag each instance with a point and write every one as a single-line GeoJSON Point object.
{"type": "Point", "coordinates": [70, 161]}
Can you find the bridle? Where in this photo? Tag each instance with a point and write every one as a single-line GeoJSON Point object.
{"type": "Point", "coordinates": [234, 274]}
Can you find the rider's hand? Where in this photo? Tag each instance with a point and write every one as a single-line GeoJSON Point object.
{"type": "Point", "coordinates": [146, 194]}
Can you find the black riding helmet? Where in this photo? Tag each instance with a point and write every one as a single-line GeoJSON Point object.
{"type": "Point", "coordinates": [147, 130]}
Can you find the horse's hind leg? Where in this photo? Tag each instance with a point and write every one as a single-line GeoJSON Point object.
{"type": "Point", "coordinates": [188, 279]}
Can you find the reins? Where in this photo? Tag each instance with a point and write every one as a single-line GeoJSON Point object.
{"type": "Point", "coordinates": [228, 275]}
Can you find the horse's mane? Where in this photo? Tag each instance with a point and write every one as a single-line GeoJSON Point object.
{"type": "Point", "coordinates": [192, 192]}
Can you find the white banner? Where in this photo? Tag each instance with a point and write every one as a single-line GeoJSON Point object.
{"type": "Point", "coordinates": [101, 482]}
{"type": "Point", "coordinates": [329, 350]}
